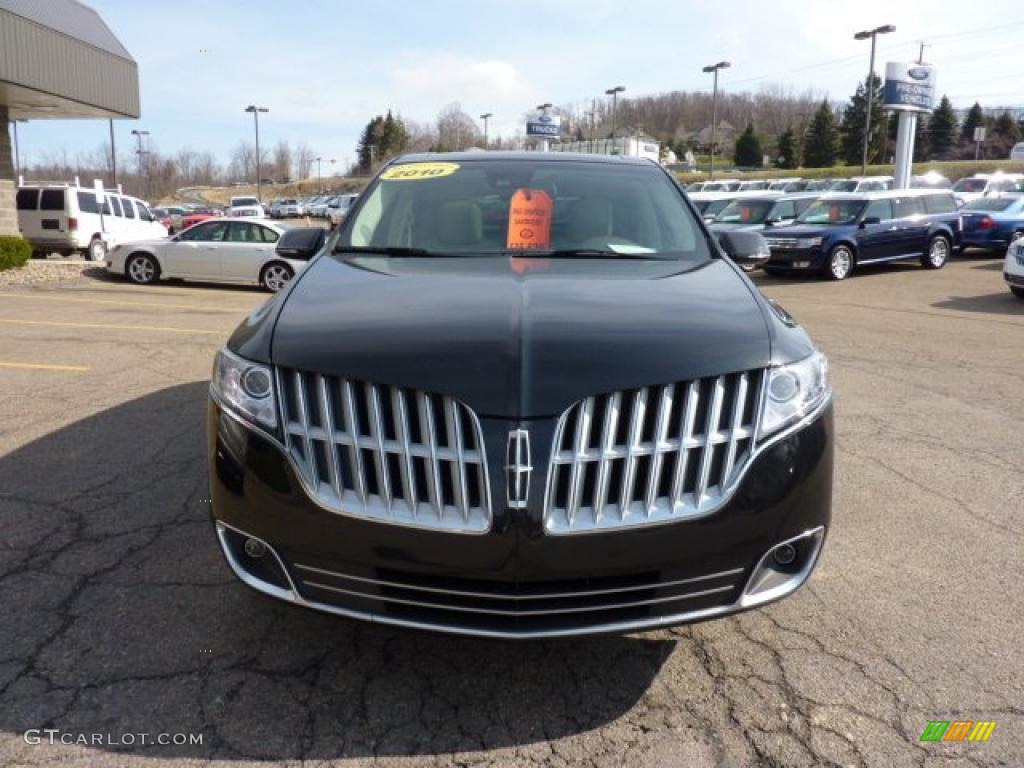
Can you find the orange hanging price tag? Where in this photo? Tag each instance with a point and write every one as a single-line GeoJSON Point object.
{"type": "Point", "coordinates": [529, 220]}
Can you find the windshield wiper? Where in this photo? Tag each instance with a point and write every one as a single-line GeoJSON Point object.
{"type": "Point", "coordinates": [386, 250]}
{"type": "Point", "coordinates": [583, 253]}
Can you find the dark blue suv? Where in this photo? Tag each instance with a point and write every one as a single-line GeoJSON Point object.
{"type": "Point", "coordinates": [840, 231]}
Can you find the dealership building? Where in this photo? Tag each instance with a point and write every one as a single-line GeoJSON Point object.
{"type": "Point", "coordinates": [58, 59]}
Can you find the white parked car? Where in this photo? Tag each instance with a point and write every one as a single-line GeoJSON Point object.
{"type": "Point", "coordinates": [1017, 153]}
{"type": "Point", "coordinates": [236, 250]}
{"type": "Point", "coordinates": [1013, 267]}
{"type": "Point", "coordinates": [339, 207]}
{"type": "Point", "coordinates": [319, 208]}
{"type": "Point", "coordinates": [862, 184]}
{"type": "Point", "coordinates": [66, 218]}
{"type": "Point", "coordinates": [246, 206]}
{"type": "Point", "coordinates": [985, 184]}
{"type": "Point", "coordinates": [289, 206]}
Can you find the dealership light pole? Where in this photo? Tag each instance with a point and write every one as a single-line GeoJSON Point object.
{"type": "Point", "coordinates": [140, 152]}
{"type": "Point", "coordinates": [256, 121]}
{"type": "Point", "coordinates": [485, 117]}
{"type": "Point", "coordinates": [543, 109]}
{"type": "Point", "coordinates": [614, 93]}
{"type": "Point", "coordinates": [113, 154]}
{"type": "Point", "coordinates": [870, 33]}
{"type": "Point", "coordinates": [319, 184]}
{"type": "Point", "coordinates": [714, 110]}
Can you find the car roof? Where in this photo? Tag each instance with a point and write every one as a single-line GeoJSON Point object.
{"type": "Point", "coordinates": [883, 194]}
{"type": "Point", "coordinates": [813, 194]}
{"type": "Point", "coordinates": [713, 195]}
{"type": "Point", "coordinates": [758, 194]}
{"type": "Point", "coordinates": [469, 157]}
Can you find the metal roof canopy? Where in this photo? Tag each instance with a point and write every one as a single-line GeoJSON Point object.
{"type": "Point", "coordinates": [59, 59]}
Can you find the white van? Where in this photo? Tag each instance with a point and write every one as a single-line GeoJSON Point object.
{"type": "Point", "coordinates": [1017, 153]}
{"type": "Point", "coordinates": [66, 218]}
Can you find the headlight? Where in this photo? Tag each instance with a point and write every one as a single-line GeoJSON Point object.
{"type": "Point", "coordinates": [246, 387]}
{"type": "Point", "coordinates": [808, 242]}
{"type": "Point", "coordinates": [793, 391]}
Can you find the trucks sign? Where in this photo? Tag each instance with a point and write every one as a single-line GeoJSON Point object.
{"type": "Point", "coordinates": [909, 86]}
{"type": "Point", "coordinates": [544, 125]}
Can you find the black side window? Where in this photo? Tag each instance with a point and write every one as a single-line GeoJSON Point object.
{"type": "Point", "coordinates": [52, 200]}
{"type": "Point", "coordinates": [907, 206]}
{"type": "Point", "coordinates": [879, 209]}
{"type": "Point", "coordinates": [940, 204]}
{"type": "Point", "coordinates": [129, 209]}
{"type": "Point", "coordinates": [87, 202]}
{"type": "Point", "coordinates": [28, 199]}
{"type": "Point", "coordinates": [116, 203]}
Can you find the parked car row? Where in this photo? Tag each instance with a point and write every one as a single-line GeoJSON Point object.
{"type": "Point", "coordinates": [330, 207]}
{"type": "Point", "coordinates": [834, 232]}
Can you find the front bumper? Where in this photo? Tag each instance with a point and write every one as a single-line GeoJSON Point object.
{"type": "Point", "coordinates": [791, 258]}
{"type": "Point", "coordinates": [1013, 279]}
{"type": "Point", "coordinates": [515, 581]}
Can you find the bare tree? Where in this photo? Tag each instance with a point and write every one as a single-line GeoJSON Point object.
{"type": "Point", "coordinates": [302, 160]}
{"type": "Point", "coordinates": [455, 129]}
{"type": "Point", "coordinates": [282, 160]}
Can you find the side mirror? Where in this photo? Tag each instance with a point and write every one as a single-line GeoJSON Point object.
{"type": "Point", "coordinates": [747, 249]}
{"type": "Point", "coordinates": [301, 243]}
{"type": "Point", "coordinates": [869, 220]}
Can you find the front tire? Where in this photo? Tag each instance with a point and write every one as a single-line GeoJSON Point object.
{"type": "Point", "coordinates": [1017, 291]}
{"type": "Point", "coordinates": [839, 263]}
{"type": "Point", "coordinates": [142, 269]}
{"type": "Point", "coordinates": [97, 250]}
{"type": "Point", "coordinates": [275, 276]}
{"type": "Point", "coordinates": [937, 254]}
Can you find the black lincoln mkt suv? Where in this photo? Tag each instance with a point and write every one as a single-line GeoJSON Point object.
{"type": "Point", "coordinates": [523, 395]}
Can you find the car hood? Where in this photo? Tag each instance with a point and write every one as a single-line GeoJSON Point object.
{"type": "Point", "coordinates": [520, 338]}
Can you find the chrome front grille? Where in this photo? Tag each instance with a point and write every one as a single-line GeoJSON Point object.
{"type": "Point", "coordinates": [651, 455]}
{"type": "Point", "coordinates": [386, 453]}
{"type": "Point", "coordinates": [785, 243]}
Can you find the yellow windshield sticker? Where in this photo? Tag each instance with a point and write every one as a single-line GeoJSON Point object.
{"type": "Point", "coordinates": [413, 171]}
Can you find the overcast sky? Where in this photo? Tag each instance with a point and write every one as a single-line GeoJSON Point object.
{"type": "Point", "coordinates": [324, 67]}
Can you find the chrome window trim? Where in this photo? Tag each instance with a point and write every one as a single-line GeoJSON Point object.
{"type": "Point", "coordinates": [311, 494]}
{"type": "Point", "coordinates": [758, 447]}
{"type": "Point", "coordinates": [622, 627]}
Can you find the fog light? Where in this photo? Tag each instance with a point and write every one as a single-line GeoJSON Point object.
{"type": "Point", "coordinates": [784, 555]}
{"type": "Point", "coordinates": [255, 548]}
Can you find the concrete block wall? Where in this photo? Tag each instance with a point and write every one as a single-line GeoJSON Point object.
{"type": "Point", "coordinates": [8, 214]}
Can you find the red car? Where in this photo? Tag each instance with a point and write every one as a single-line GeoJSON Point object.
{"type": "Point", "coordinates": [198, 215]}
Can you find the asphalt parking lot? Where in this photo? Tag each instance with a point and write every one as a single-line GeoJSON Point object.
{"type": "Point", "coordinates": [121, 618]}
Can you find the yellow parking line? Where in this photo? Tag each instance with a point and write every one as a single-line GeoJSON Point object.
{"type": "Point", "coordinates": [107, 326]}
{"type": "Point", "coordinates": [44, 366]}
{"type": "Point", "coordinates": [122, 303]}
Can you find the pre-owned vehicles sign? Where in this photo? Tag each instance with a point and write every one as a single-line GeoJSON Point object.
{"type": "Point", "coordinates": [909, 86]}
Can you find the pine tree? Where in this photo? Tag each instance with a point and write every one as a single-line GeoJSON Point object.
{"type": "Point", "coordinates": [975, 119]}
{"type": "Point", "coordinates": [788, 154]}
{"type": "Point", "coordinates": [921, 143]}
{"type": "Point", "coordinates": [822, 139]}
{"type": "Point", "coordinates": [852, 127]}
{"type": "Point", "coordinates": [748, 149]}
{"type": "Point", "coordinates": [942, 131]}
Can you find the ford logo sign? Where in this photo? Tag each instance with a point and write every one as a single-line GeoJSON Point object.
{"type": "Point", "coordinates": [543, 118]}
{"type": "Point", "coordinates": [919, 73]}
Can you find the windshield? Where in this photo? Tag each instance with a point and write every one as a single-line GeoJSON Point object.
{"type": "Point", "coordinates": [745, 211]}
{"type": "Point", "coordinates": [991, 204]}
{"type": "Point", "coordinates": [970, 185]}
{"type": "Point", "coordinates": [843, 185]}
{"type": "Point", "coordinates": [523, 206]}
{"type": "Point", "coordinates": [237, 201]}
{"type": "Point", "coordinates": [832, 212]}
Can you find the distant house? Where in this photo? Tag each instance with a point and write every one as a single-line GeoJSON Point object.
{"type": "Point", "coordinates": [726, 136]}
